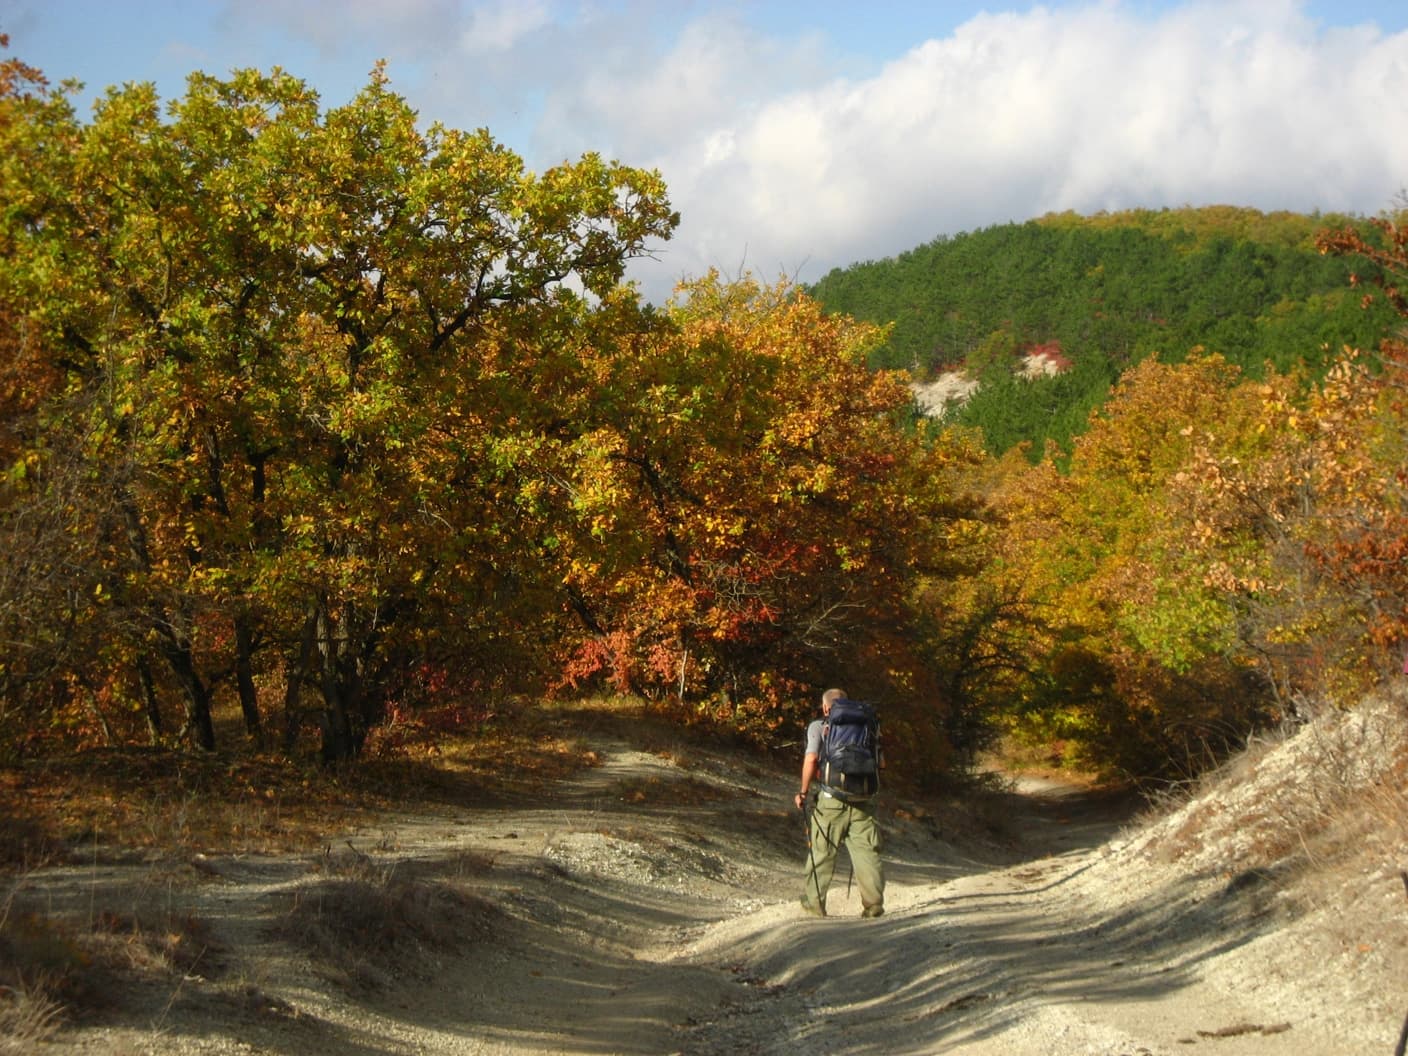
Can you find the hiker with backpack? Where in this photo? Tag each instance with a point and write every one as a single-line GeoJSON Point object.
{"type": "Point", "coordinates": [841, 762]}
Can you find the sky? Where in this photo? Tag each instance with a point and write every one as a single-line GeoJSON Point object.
{"type": "Point", "coordinates": [797, 137]}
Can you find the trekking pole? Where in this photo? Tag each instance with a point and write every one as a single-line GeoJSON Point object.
{"type": "Point", "coordinates": [1402, 1046]}
{"type": "Point", "coordinates": [807, 810]}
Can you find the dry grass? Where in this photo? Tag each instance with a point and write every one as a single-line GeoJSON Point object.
{"type": "Point", "coordinates": [1372, 815]}
{"type": "Point", "coordinates": [53, 963]}
{"type": "Point", "coordinates": [656, 790]}
{"type": "Point", "coordinates": [164, 809]}
{"type": "Point", "coordinates": [139, 802]}
{"type": "Point", "coordinates": [153, 941]}
{"type": "Point", "coordinates": [1332, 792]}
{"type": "Point", "coordinates": [29, 1016]}
{"type": "Point", "coordinates": [41, 958]}
{"type": "Point", "coordinates": [43, 966]}
{"type": "Point", "coordinates": [171, 802]}
{"type": "Point", "coordinates": [368, 927]}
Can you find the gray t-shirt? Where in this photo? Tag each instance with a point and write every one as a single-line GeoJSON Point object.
{"type": "Point", "coordinates": [814, 737]}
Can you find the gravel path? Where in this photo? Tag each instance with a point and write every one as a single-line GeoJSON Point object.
{"type": "Point", "coordinates": [649, 908]}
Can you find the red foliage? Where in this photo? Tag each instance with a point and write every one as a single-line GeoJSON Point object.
{"type": "Point", "coordinates": [1050, 353]}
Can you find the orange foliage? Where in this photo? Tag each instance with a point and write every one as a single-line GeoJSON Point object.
{"type": "Point", "coordinates": [757, 512]}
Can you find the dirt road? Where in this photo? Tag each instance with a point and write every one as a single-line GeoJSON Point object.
{"type": "Point", "coordinates": [648, 907]}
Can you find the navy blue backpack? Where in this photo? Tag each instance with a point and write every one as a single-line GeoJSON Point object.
{"type": "Point", "coordinates": [850, 750]}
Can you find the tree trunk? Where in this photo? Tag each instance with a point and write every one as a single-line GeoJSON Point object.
{"type": "Point", "coordinates": [295, 673]}
{"type": "Point", "coordinates": [198, 721]}
{"type": "Point", "coordinates": [244, 680]}
{"type": "Point", "coordinates": [340, 740]}
{"type": "Point", "coordinates": [150, 706]}
{"type": "Point", "coordinates": [175, 642]}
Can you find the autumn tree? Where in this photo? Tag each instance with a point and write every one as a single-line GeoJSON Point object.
{"type": "Point", "coordinates": [1359, 448]}
{"type": "Point", "coordinates": [1144, 662]}
{"type": "Point", "coordinates": [49, 583]}
{"type": "Point", "coordinates": [1220, 551]}
{"type": "Point", "coordinates": [755, 514]}
{"type": "Point", "coordinates": [283, 334]}
{"type": "Point", "coordinates": [1319, 509]}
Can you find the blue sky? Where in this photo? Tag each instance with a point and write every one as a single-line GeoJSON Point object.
{"type": "Point", "coordinates": [797, 137]}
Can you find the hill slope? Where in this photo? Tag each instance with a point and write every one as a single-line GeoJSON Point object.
{"type": "Point", "coordinates": [1102, 293]}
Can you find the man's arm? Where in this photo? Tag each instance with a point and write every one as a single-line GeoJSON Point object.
{"type": "Point", "coordinates": [808, 772]}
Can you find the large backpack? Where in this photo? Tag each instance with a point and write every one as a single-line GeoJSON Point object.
{"type": "Point", "coordinates": [850, 750]}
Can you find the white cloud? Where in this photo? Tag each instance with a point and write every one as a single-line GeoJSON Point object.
{"type": "Point", "coordinates": [780, 164]}
{"type": "Point", "coordinates": [1013, 116]}
{"type": "Point", "coordinates": [500, 26]}
{"type": "Point", "coordinates": [633, 83]}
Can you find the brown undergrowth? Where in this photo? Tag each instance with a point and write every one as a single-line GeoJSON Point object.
{"type": "Point", "coordinates": [55, 963]}
{"type": "Point", "coordinates": [368, 925]}
{"type": "Point", "coordinates": [90, 805]}
{"type": "Point", "coordinates": [165, 809]}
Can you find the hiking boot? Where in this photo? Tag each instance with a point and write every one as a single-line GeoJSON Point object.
{"type": "Point", "coordinates": [873, 911]}
{"type": "Point", "coordinates": [812, 908]}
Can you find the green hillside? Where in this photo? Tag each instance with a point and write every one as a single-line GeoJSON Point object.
{"type": "Point", "coordinates": [1107, 291]}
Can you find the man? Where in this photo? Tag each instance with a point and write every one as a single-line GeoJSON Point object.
{"type": "Point", "coordinates": [833, 821]}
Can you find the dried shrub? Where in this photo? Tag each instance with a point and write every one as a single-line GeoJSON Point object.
{"type": "Point", "coordinates": [369, 927]}
{"type": "Point", "coordinates": [29, 1016]}
{"type": "Point", "coordinates": [153, 942]}
{"type": "Point", "coordinates": [1328, 790]}
{"type": "Point", "coordinates": [54, 962]}
{"type": "Point", "coordinates": [40, 954]}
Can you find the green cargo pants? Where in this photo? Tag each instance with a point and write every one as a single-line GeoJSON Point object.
{"type": "Point", "coordinates": [834, 822]}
